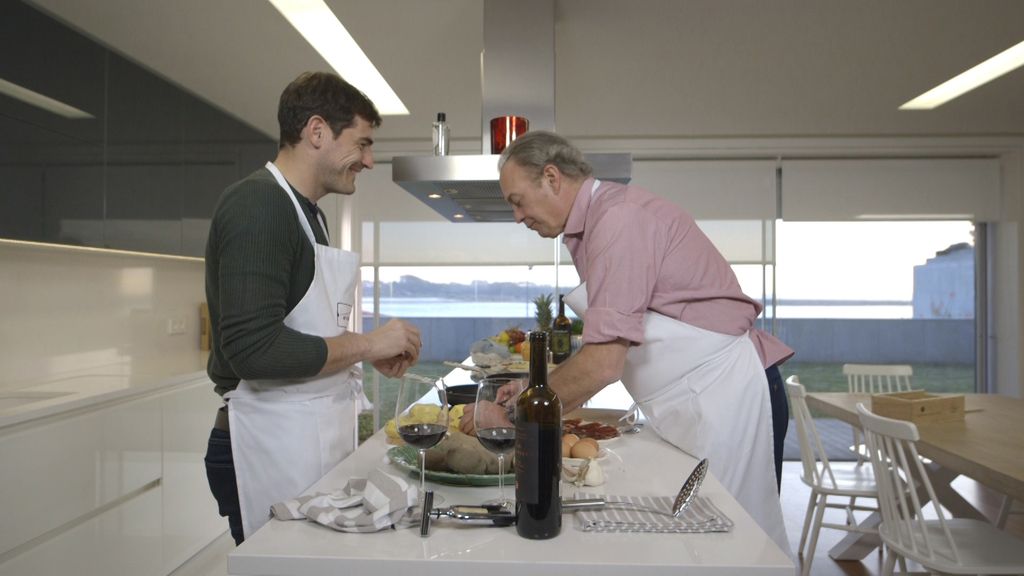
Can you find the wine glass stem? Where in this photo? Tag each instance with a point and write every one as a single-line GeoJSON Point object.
{"type": "Point", "coordinates": [501, 478]}
{"type": "Point", "coordinates": [423, 473]}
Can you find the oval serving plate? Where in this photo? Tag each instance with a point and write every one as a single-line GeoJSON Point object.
{"type": "Point", "coordinates": [408, 458]}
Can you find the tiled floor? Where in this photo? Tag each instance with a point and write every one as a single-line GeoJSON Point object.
{"type": "Point", "coordinates": [213, 560]}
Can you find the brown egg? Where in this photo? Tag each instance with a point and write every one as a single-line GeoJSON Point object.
{"type": "Point", "coordinates": [571, 439]}
{"type": "Point", "coordinates": [583, 449]}
{"type": "Point", "coordinates": [566, 448]}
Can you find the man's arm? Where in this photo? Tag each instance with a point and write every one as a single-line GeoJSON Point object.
{"type": "Point", "coordinates": [588, 371]}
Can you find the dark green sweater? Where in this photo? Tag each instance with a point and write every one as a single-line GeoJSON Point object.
{"type": "Point", "coordinates": [259, 264]}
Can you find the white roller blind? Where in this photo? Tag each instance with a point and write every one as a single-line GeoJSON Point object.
{"type": "Point", "coordinates": [880, 189]}
{"type": "Point", "coordinates": [741, 241]}
{"type": "Point", "coordinates": [429, 243]}
{"type": "Point", "coordinates": [713, 189]}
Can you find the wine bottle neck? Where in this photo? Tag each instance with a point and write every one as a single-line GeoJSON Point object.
{"type": "Point", "coordinates": [538, 359]}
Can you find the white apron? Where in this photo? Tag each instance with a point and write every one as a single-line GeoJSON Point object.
{"type": "Point", "coordinates": [706, 393]}
{"type": "Point", "coordinates": [285, 435]}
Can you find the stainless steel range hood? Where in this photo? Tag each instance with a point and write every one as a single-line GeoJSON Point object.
{"type": "Point", "coordinates": [518, 78]}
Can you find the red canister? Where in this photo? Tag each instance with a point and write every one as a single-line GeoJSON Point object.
{"type": "Point", "coordinates": [505, 129]}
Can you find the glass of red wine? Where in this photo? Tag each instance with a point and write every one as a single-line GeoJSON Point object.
{"type": "Point", "coordinates": [421, 415]}
{"type": "Point", "coordinates": [494, 420]}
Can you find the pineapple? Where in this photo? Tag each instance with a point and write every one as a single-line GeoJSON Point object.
{"type": "Point", "coordinates": [543, 314]}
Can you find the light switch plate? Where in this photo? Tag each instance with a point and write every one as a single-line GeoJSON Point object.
{"type": "Point", "coordinates": [175, 325]}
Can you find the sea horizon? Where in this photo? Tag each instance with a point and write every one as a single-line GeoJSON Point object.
{"type": "Point", "coordinates": [446, 308]}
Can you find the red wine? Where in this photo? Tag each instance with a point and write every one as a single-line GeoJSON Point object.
{"type": "Point", "coordinates": [422, 435]}
{"type": "Point", "coordinates": [538, 450]}
{"type": "Point", "coordinates": [497, 440]}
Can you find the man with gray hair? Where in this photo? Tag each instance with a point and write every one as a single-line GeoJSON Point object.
{"type": "Point", "coordinates": [663, 312]}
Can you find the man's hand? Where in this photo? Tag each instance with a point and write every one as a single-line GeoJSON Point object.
{"type": "Point", "coordinates": [393, 367]}
{"type": "Point", "coordinates": [494, 415]}
{"type": "Point", "coordinates": [392, 349]}
{"type": "Point", "coordinates": [395, 340]}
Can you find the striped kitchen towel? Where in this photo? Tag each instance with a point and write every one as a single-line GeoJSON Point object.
{"type": "Point", "coordinates": [624, 514]}
{"type": "Point", "coordinates": [369, 504]}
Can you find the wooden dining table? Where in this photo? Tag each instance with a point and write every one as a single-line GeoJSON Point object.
{"type": "Point", "coordinates": [987, 445]}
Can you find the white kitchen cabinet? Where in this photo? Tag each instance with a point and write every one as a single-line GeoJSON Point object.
{"type": "Point", "coordinates": [190, 519]}
{"type": "Point", "coordinates": [124, 540]}
{"type": "Point", "coordinates": [118, 487]}
{"type": "Point", "coordinates": [60, 469]}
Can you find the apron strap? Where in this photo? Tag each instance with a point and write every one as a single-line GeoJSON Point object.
{"type": "Point", "coordinates": [298, 209]}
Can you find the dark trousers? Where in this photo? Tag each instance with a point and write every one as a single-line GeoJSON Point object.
{"type": "Point", "coordinates": [220, 472]}
{"type": "Point", "coordinates": [780, 418]}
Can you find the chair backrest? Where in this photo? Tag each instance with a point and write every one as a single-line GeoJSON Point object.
{"type": "Point", "coordinates": [900, 476]}
{"type": "Point", "coordinates": [812, 454]}
{"type": "Point", "coordinates": [877, 378]}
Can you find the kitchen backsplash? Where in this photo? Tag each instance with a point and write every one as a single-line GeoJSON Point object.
{"type": "Point", "coordinates": [69, 310]}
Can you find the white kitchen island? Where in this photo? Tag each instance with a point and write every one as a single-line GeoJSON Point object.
{"type": "Point", "coordinates": [648, 467]}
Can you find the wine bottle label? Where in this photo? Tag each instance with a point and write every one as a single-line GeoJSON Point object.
{"type": "Point", "coordinates": [561, 343]}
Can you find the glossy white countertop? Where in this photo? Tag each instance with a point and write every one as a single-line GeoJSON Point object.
{"type": "Point", "coordinates": [648, 466]}
{"type": "Point", "coordinates": [74, 390]}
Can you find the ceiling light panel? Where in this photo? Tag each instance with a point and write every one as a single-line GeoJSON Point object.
{"type": "Point", "coordinates": [326, 34]}
{"type": "Point", "coordinates": [1006, 61]}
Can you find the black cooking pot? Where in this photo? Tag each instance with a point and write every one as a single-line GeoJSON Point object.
{"type": "Point", "coordinates": [462, 394]}
{"type": "Point", "coordinates": [466, 393]}
{"type": "Point", "coordinates": [477, 377]}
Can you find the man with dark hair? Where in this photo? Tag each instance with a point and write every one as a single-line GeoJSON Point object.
{"type": "Point", "coordinates": [663, 312]}
{"type": "Point", "coordinates": [280, 299]}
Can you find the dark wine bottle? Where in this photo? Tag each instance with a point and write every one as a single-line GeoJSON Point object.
{"type": "Point", "coordinates": [561, 334]}
{"type": "Point", "coordinates": [538, 450]}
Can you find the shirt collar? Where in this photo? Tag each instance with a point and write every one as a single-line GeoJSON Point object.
{"type": "Point", "coordinates": [578, 212]}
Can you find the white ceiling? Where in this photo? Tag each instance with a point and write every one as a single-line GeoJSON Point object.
{"type": "Point", "coordinates": [642, 68]}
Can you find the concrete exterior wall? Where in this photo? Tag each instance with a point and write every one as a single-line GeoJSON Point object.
{"type": "Point", "coordinates": [931, 341]}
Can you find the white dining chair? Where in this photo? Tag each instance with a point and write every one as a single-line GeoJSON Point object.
{"type": "Point", "coordinates": [825, 479]}
{"type": "Point", "coordinates": [875, 379]}
{"type": "Point", "coordinates": [947, 545]}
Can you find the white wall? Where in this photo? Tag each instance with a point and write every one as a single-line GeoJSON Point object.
{"type": "Point", "coordinates": [66, 309]}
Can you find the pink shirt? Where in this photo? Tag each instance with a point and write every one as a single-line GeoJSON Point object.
{"type": "Point", "coordinates": [638, 252]}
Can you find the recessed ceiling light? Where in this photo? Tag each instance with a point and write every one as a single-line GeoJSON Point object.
{"type": "Point", "coordinates": [989, 70]}
{"type": "Point", "coordinates": [433, 195]}
{"type": "Point", "coordinates": [322, 29]}
{"type": "Point", "coordinates": [459, 216]}
{"type": "Point", "coordinates": [39, 101]}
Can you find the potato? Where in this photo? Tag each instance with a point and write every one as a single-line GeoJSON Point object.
{"type": "Point", "coordinates": [466, 455]}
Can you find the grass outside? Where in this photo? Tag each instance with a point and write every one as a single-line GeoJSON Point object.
{"type": "Point", "coordinates": [816, 377]}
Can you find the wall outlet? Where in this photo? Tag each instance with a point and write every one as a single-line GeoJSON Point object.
{"type": "Point", "coordinates": [175, 325]}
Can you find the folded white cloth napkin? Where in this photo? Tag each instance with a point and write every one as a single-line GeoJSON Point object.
{"type": "Point", "coordinates": [369, 504]}
{"type": "Point", "coordinates": [700, 516]}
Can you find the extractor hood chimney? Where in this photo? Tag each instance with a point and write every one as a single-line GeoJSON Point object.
{"type": "Point", "coordinates": [518, 78]}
